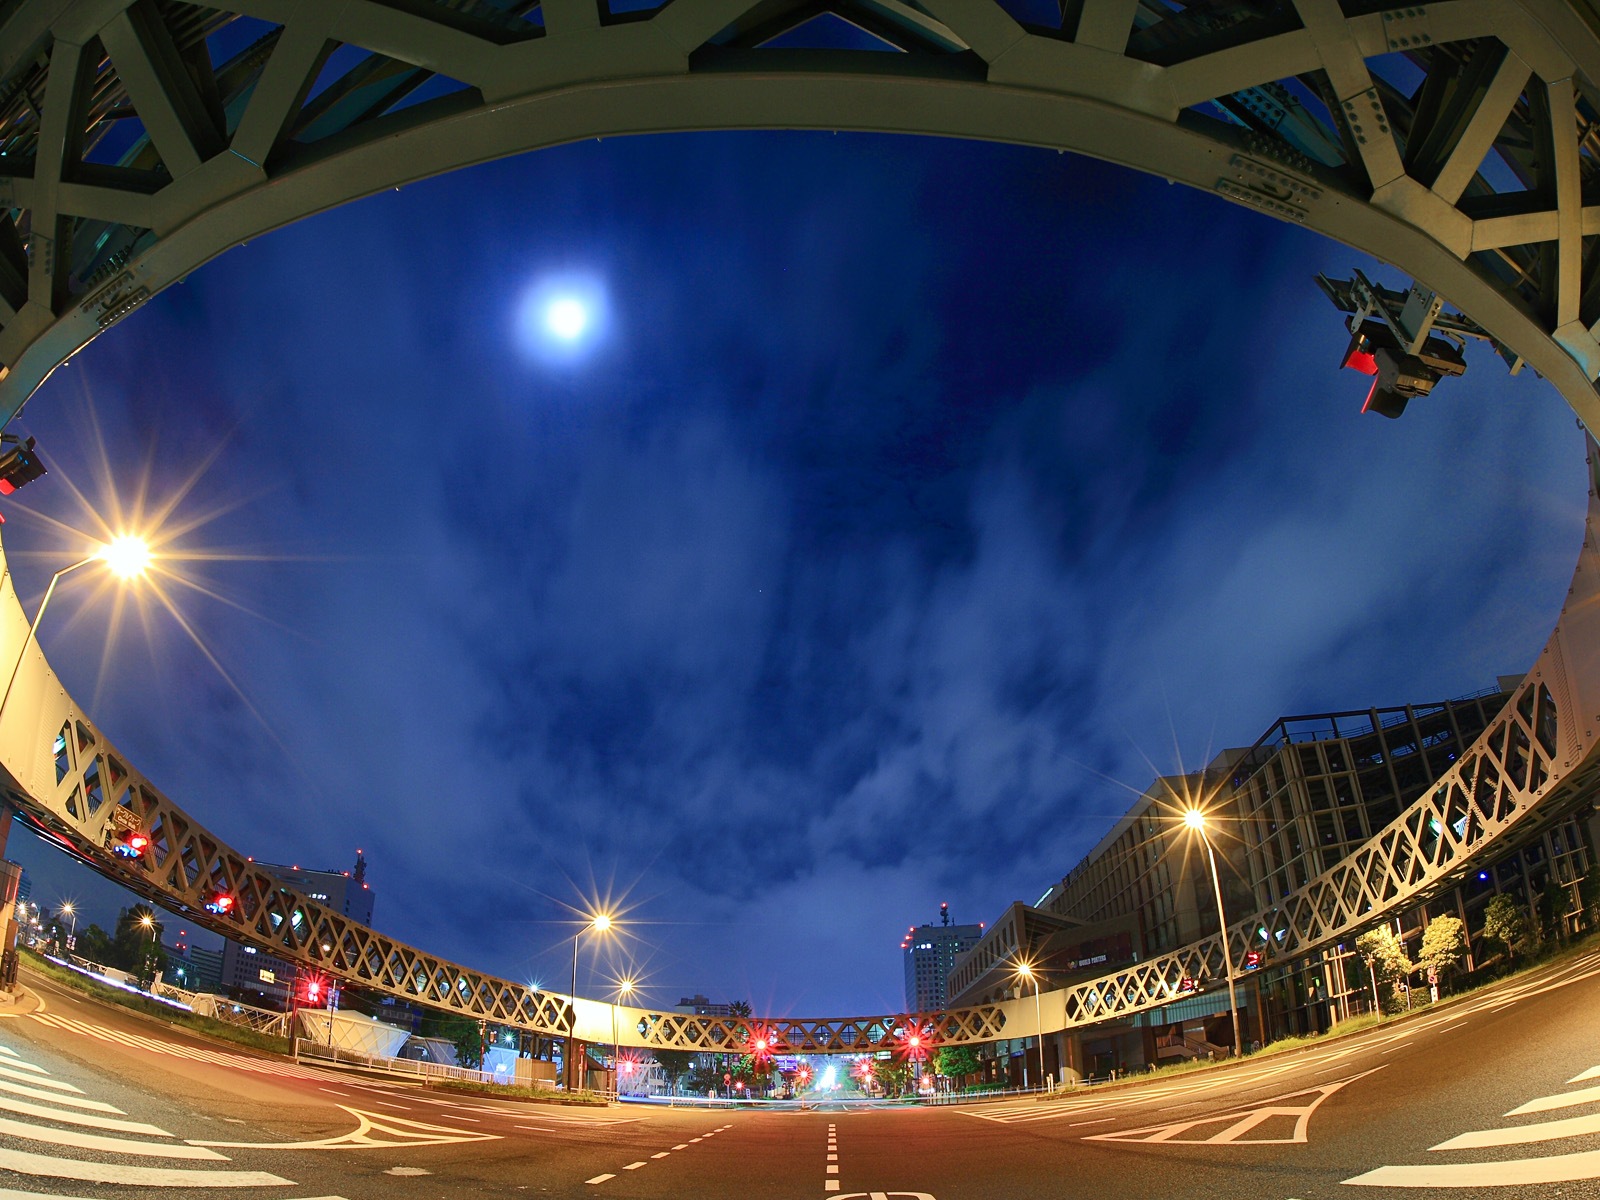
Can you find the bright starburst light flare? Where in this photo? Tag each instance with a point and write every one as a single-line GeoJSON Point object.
{"type": "Point", "coordinates": [136, 527]}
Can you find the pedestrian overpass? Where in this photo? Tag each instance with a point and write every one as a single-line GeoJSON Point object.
{"type": "Point", "coordinates": [1455, 140]}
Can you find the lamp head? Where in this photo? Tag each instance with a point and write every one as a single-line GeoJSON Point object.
{"type": "Point", "coordinates": [1194, 819]}
{"type": "Point", "coordinates": [127, 556]}
{"type": "Point", "coordinates": [600, 923]}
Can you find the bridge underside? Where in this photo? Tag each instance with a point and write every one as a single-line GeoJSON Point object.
{"type": "Point", "coordinates": [1456, 140]}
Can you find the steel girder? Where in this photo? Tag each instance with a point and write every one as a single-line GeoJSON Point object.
{"type": "Point", "coordinates": [141, 138]}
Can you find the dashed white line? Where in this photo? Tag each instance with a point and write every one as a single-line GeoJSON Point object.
{"type": "Point", "coordinates": [633, 1166]}
{"type": "Point", "coordinates": [600, 1179]}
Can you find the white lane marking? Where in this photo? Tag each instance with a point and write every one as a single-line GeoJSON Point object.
{"type": "Point", "coordinates": [39, 1081]}
{"type": "Point", "coordinates": [331, 1092]}
{"type": "Point", "coordinates": [1079, 1124]}
{"type": "Point", "coordinates": [1563, 1100]}
{"type": "Point", "coordinates": [663, 1154]}
{"type": "Point", "coordinates": [681, 1146]}
{"type": "Point", "coordinates": [7, 1050]}
{"type": "Point", "coordinates": [1591, 1073]}
{"type": "Point", "coordinates": [831, 1185]}
{"type": "Point", "coordinates": [633, 1166]}
{"type": "Point", "coordinates": [15, 1061]}
{"type": "Point", "coordinates": [57, 1098]}
{"type": "Point", "coordinates": [1518, 1135]}
{"type": "Point", "coordinates": [832, 1169]}
{"type": "Point", "coordinates": [1561, 1168]}
{"type": "Point", "coordinates": [76, 1118]}
{"type": "Point", "coordinates": [24, 1163]}
{"type": "Point", "coordinates": [536, 1128]}
{"type": "Point", "coordinates": [408, 1171]}
{"type": "Point", "coordinates": [600, 1179]}
{"type": "Point", "coordinates": [388, 1104]}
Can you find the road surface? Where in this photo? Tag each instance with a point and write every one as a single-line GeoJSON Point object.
{"type": "Point", "coordinates": [1497, 1095]}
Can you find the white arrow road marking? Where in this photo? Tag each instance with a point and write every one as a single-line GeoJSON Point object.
{"type": "Point", "coordinates": [1561, 1168]}
{"type": "Point", "coordinates": [24, 1163]}
{"type": "Point", "coordinates": [1518, 1135]}
{"type": "Point", "coordinates": [372, 1130]}
{"type": "Point", "coordinates": [1238, 1122]}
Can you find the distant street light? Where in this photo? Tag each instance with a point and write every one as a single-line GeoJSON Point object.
{"type": "Point", "coordinates": [1196, 821]}
{"type": "Point", "coordinates": [72, 911]}
{"type": "Point", "coordinates": [1026, 971]}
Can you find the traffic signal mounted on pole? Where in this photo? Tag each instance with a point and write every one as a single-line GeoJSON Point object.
{"type": "Point", "coordinates": [19, 465]}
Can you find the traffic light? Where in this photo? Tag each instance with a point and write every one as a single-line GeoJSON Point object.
{"type": "Point", "coordinates": [130, 844]}
{"type": "Point", "coordinates": [19, 466]}
{"type": "Point", "coordinates": [1398, 376]}
{"type": "Point", "coordinates": [1188, 984]}
{"type": "Point", "coordinates": [1252, 960]}
{"type": "Point", "coordinates": [221, 903]}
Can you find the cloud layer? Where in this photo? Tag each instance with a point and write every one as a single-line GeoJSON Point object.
{"type": "Point", "coordinates": [921, 500]}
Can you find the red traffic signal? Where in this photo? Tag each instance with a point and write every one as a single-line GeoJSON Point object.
{"type": "Point", "coordinates": [19, 466]}
{"type": "Point", "coordinates": [1252, 960]}
{"type": "Point", "coordinates": [221, 903]}
{"type": "Point", "coordinates": [1189, 984]}
{"type": "Point", "coordinates": [132, 844]}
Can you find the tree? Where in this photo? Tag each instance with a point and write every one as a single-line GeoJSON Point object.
{"type": "Point", "coordinates": [95, 945]}
{"type": "Point", "coordinates": [460, 1031]}
{"type": "Point", "coordinates": [895, 1078]}
{"type": "Point", "coordinates": [1385, 956]}
{"type": "Point", "coordinates": [1444, 944]}
{"type": "Point", "coordinates": [136, 944]}
{"type": "Point", "coordinates": [1506, 922]}
{"type": "Point", "coordinates": [675, 1065]}
{"type": "Point", "coordinates": [1554, 901]}
{"type": "Point", "coordinates": [739, 1008]}
{"type": "Point", "coordinates": [956, 1062]}
{"type": "Point", "coordinates": [1589, 897]}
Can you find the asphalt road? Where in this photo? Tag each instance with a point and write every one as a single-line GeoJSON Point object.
{"type": "Point", "coordinates": [1496, 1095]}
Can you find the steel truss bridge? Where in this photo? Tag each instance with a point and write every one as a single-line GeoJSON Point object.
{"type": "Point", "coordinates": [1459, 141]}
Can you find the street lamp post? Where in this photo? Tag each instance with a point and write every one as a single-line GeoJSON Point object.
{"type": "Point", "coordinates": [148, 923]}
{"type": "Point", "coordinates": [624, 988]}
{"type": "Point", "coordinates": [599, 923]}
{"type": "Point", "coordinates": [1026, 971]}
{"type": "Point", "coordinates": [1196, 820]}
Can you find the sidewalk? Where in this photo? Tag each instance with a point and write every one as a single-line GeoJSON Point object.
{"type": "Point", "coordinates": [18, 1003]}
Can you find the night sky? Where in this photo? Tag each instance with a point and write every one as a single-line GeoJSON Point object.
{"type": "Point", "coordinates": [904, 506]}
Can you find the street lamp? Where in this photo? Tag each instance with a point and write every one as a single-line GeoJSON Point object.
{"type": "Point", "coordinates": [1026, 971]}
{"type": "Point", "coordinates": [624, 989]}
{"type": "Point", "coordinates": [126, 557]}
{"type": "Point", "coordinates": [1196, 821]}
{"type": "Point", "coordinates": [599, 923]}
{"type": "Point", "coordinates": [148, 922]}
{"type": "Point", "coordinates": [72, 911]}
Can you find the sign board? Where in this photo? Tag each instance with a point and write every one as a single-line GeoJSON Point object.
{"type": "Point", "coordinates": [123, 819]}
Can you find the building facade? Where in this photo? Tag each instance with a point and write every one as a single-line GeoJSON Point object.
{"type": "Point", "coordinates": [1309, 792]}
{"type": "Point", "coordinates": [930, 955]}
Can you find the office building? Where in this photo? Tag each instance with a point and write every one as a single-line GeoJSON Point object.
{"type": "Point", "coordinates": [930, 955]}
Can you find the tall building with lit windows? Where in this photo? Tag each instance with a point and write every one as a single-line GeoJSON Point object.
{"type": "Point", "coordinates": [930, 955]}
{"type": "Point", "coordinates": [1312, 790]}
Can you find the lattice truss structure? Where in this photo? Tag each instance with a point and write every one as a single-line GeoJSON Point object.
{"type": "Point", "coordinates": [140, 138]}
{"type": "Point", "coordinates": [1457, 140]}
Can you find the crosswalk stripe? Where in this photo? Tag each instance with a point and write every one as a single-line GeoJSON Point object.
{"type": "Point", "coordinates": [1561, 1168]}
{"type": "Point", "coordinates": [1560, 1100]}
{"type": "Point", "coordinates": [78, 1118]}
{"type": "Point", "coordinates": [39, 1080]}
{"type": "Point", "coordinates": [25, 1163]}
{"type": "Point", "coordinates": [1591, 1073]}
{"type": "Point", "coordinates": [91, 1141]}
{"type": "Point", "coordinates": [57, 1098]}
{"type": "Point", "coordinates": [1517, 1135]}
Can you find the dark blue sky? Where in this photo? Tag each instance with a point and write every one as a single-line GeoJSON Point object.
{"type": "Point", "coordinates": [917, 500]}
